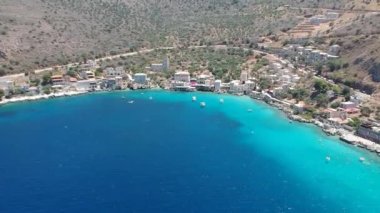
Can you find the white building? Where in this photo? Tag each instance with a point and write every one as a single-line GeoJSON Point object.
{"type": "Point", "coordinates": [140, 78]}
{"type": "Point", "coordinates": [218, 85]}
{"type": "Point", "coordinates": [348, 105]}
{"type": "Point", "coordinates": [244, 76]}
{"type": "Point", "coordinates": [182, 76]}
{"type": "Point", "coordinates": [87, 74]}
{"type": "Point", "coordinates": [111, 72]}
{"type": "Point", "coordinates": [204, 79]}
{"type": "Point", "coordinates": [86, 85]}
{"type": "Point", "coordinates": [156, 67]}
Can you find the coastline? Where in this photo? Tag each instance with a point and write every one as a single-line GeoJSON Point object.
{"type": "Point", "coordinates": [344, 135]}
{"type": "Point", "coordinates": [40, 97]}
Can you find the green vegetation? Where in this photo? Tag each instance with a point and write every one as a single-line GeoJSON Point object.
{"type": "Point", "coordinates": [262, 62]}
{"type": "Point", "coordinates": [299, 94]}
{"type": "Point", "coordinates": [354, 122]}
{"type": "Point", "coordinates": [321, 86]}
{"type": "Point", "coordinates": [334, 65]}
{"type": "Point", "coordinates": [46, 79]}
{"type": "Point", "coordinates": [224, 63]}
{"type": "Point", "coordinates": [46, 90]}
{"type": "Point", "coordinates": [1, 94]}
{"type": "Point", "coordinates": [71, 72]}
{"type": "Point", "coordinates": [264, 83]}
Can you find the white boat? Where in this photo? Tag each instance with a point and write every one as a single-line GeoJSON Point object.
{"type": "Point", "coordinates": [203, 104]}
{"type": "Point", "coordinates": [194, 98]}
{"type": "Point", "coordinates": [328, 158]}
{"type": "Point", "coordinates": [249, 110]}
{"type": "Point", "coordinates": [221, 100]}
{"type": "Point", "coordinates": [150, 98]}
{"type": "Point", "coordinates": [131, 102]}
{"type": "Point", "coordinates": [361, 159]}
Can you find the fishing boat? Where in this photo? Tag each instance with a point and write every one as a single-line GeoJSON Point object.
{"type": "Point", "coordinates": [194, 98]}
{"type": "Point", "coordinates": [361, 159]}
{"type": "Point", "coordinates": [221, 100]}
{"type": "Point", "coordinates": [328, 158]}
{"type": "Point", "coordinates": [131, 102]}
{"type": "Point", "coordinates": [203, 104]}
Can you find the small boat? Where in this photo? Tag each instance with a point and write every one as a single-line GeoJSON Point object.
{"type": "Point", "coordinates": [194, 98]}
{"type": "Point", "coordinates": [328, 158]}
{"type": "Point", "coordinates": [221, 100]}
{"type": "Point", "coordinates": [203, 104]}
{"type": "Point", "coordinates": [131, 102]}
{"type": "Point", "coordinates": [150, 98]}
{"type": "Point", "coordinates": [361, 159]}
{"type": "Point", "coordinates": [249, 110]}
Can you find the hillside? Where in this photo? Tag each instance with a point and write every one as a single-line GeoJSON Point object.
{"type": "Point", "coordinates": [40, 33]}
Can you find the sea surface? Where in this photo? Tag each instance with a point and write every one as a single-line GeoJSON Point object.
{"type": "Point", "coordinates": [164, 153]}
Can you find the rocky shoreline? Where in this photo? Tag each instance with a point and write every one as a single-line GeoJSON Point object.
{"type": "Point", "coordinates": [344, 135]}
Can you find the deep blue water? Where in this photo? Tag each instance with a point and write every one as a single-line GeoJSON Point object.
{"type": "Point", "coordinates": [99, 153]}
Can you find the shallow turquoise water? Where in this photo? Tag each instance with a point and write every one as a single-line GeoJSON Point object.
{"type": "Point", "coordinates": [99, 153]}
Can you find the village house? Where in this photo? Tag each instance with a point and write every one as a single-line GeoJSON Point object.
{"type": "Point", "coordinates": [217, 85]}
{"type": "Point", "coordinates": [86, 85]}
{"type": "Point", "coordinates": [140, 78]}
{"type": "Point", "coordinates": [338, 116]}
{"type": "Point", "coordinates": [350, 107]}
{"type": "Point", "coordinates": [111, 72]}
{"type": "Point", "coordinates": [87, 75]}
{"type": "Point", "coordinates": [57, 80]}
{"type": "Point", "coordinates": [182, 76]}
{"type": "Point", "coordinates": [182, 81]}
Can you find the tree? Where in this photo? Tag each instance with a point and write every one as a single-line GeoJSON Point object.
{"type": "Point", "coordinates": [334, 65]}
{"type": "Point", "coordinates": [71, 72]}
{"type": "Point", "coordinates": [321, 86]}
{"type": "Point", "coordinates": [1, 94]}
{"type": "Point", "coordinates": [47, 90]}
{"type": "Point", "coordinates": [354, 122]}
{"type": "Point", "coordinates": [300, 93]}
{"type": "Point", "coordinates": [264, 83]}
{"type": "Point", "coordinates": [319, 68]}
{"type": "Point", "coordinates": [46, 79]}
{"type": "Point", "coordinates": [322, 100]}
{"type": "Point", "coordinates": [346, 91]}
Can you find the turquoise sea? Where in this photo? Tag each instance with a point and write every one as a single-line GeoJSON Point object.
{"type": "Point", "coordinates": [101, 153]}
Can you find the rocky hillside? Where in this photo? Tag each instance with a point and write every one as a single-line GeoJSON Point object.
{"type": "Point", "coordinates": [40, 33]}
